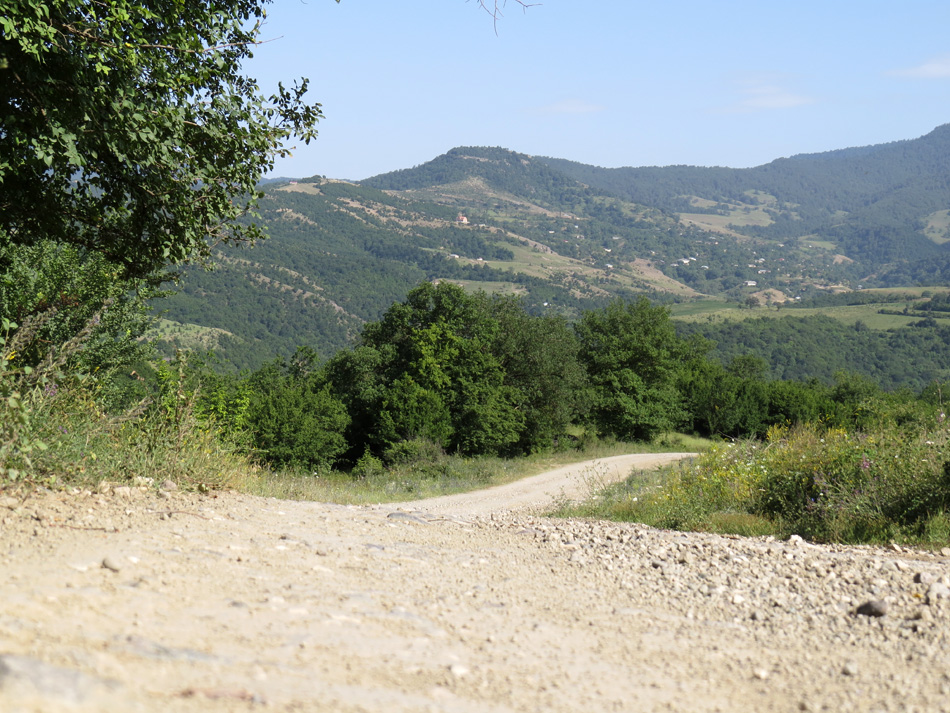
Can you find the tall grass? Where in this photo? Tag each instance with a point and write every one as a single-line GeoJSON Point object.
{"type": "Point", "coordinates": [56, 430]}
{"type": "Point", "coordinates": [887, 482]}
{"type": "Point", "coordinates": [84, 445]}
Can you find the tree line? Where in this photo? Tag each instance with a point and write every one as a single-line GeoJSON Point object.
{"type": "Point", "coordinates": [473, 374]}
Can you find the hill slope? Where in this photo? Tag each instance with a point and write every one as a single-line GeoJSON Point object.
{"type": "Point", "coordinates": [878, 205]}
{"type": "Point", "coordinates": [568, 236]}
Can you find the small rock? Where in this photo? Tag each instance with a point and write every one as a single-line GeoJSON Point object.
{"type": "Point", "coordinates": [760, 674]}
{"type": "Point", "coordinates": [169, 485]}
{"type": "Point", "coordinates": [123, 491]}
{"type": "Point", "coordinates": [112, 564]}
{"type": "Point", "coordinates": [937, 590]}
{"type": "Point", "coordinates": [874, 607]}
{"type": "Point", "coordinates": [945, 551]}
{"type": "Point", "coordinates": [458, 670]}
{"type": "Point", "coordinates": [924, 578]}
{"type": "Point", "coordinates": [10, 503]}
{"type": "Point", "coordinates": [850, 668]}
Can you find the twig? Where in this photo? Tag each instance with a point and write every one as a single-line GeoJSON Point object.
{"type": "Point", "coordinates": [177, 512]}
{"type": "Point", "coordinates": [79, 527]}
{"type": "Point", "coordinates": [495, 9]}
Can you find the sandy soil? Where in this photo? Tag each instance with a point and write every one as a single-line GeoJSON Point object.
{"type": "Point", "coordinates": [134, 600]}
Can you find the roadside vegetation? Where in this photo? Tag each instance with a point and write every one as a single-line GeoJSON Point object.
{"type": "Point", "coordinates": [878, 474]}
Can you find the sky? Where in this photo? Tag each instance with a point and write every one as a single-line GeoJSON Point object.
{"type": "Point", "coordinates": [606, 82]}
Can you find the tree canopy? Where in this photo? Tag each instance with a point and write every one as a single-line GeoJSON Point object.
{"type": "Point", "coordinates": [128, 128]}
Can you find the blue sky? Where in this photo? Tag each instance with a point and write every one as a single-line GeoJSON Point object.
{"type": "Point", "coordinates": [607, 82]}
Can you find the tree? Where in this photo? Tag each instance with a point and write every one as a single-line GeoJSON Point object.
{"type": "Point", "coordinates": [427, 370]}
{"type": "Point", "coordinates": [494, 8]}
{"type": "Point", "coordinates": [56, 291]}
{"type": "Point", "coordinates": [539, 358]}
{"type": "Point", "coordinates": [293, 418]}
{"type": "Point", "coordinates": [632, 356]}
{"type": "Point", "coordinates": [128, 129]}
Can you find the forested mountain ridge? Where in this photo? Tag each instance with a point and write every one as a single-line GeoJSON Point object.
{"type": "Point", "coordinates": [881, 206]}
{"type": "Point", "coordinates": [568, 237]}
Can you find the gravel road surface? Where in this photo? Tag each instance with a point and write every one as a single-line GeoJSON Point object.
{"type": "Point", "coordinates": [137, 600]}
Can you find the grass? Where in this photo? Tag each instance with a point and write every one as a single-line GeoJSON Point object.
{"type": "Point", "coordinates": [701, 308]}
{"type": "Point", "coordinates": [869, 314]}
{"type": "Point", "coordinates": [492, 288]}
{"type": "Point", "coordinates": [84, 446]}
{"type": "Point", "coordinates": [886, 482]}
{"type": "Point", "coordinates": [184, 335]}
{"type": "Point", "coordinates": [938, 227]}
{"type": "Point", "coordinates": [810, 242]}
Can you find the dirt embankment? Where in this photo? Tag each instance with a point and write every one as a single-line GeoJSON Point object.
{"type": "Point", "coordinates": [137, 601]}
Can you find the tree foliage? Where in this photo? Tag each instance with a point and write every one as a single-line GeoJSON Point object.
{"type": "Point", "coordinates": [129, 129]}
{"type": "Point", "coordinates": [632, 356]}
{"type": "Point", "coordinates": [293, 418]}
{"type": "Point", "coordinates": [64, 291]}
{"type": "Point", "coordinates": [427, 369]}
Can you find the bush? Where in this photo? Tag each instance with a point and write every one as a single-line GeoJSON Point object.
{"type": "Point", "coordinates": [418, 451]}
{"type": "Point", "coordinates": [368, 467]}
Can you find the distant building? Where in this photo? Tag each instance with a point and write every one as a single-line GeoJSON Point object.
{"type": "Point", "coordinates": [462, 220]}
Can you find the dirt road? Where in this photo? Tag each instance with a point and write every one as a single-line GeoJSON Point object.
{"type": "Point", "coordinates": [135, 601]}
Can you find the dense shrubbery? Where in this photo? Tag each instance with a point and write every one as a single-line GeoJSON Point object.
{"type": "Point", "coordinates": [64, 431]}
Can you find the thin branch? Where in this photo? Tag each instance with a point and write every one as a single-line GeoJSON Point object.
{"type": "Point", "coordinates": [494, 9]}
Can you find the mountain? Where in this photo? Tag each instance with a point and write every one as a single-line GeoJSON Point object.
{"type": "Point", "coordinates": [880, 206]}
{"type": "Point", "coordinates": [567, 236]}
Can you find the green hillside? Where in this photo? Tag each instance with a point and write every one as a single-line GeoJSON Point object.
{"type": "Point", "coordinates": [883, 207]}
{"type": "Point", "coordinates": [568, 237]}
